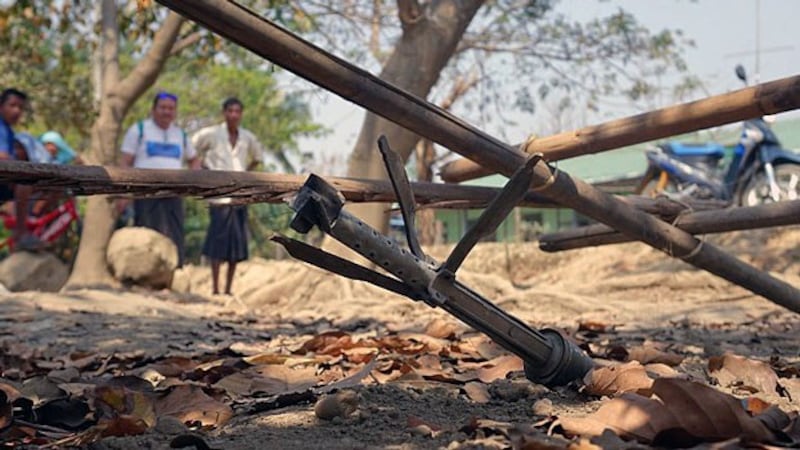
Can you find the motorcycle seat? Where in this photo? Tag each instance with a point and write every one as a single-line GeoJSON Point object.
{"type": "Point", "coordinates": [711, 149]}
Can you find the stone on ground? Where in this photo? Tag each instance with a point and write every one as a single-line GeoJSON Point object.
{"type": "Point", "coordinates": [26, 271]}
{"type": "Point", "coordinates": [142, 256]}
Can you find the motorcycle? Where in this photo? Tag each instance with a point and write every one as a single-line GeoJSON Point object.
{"type": "Point", "coordinates": [761, 170]}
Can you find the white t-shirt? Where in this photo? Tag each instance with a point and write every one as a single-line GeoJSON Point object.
{"type": "Point", "coordinates": [214, 145]}
{"type": "Point", "coordinates": [156, 148]}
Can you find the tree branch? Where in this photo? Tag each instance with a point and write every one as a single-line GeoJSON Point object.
{"type": "Point", "coordinates": [375, 31]}
{"type": "Point", "coordinates": [186, 41]}
{"type": "Point", "coordinates": [146, 71]}
{"type": "Point", "coordinates": [409, 12]}
{"type": "Point", "coordinates": [109, 42]}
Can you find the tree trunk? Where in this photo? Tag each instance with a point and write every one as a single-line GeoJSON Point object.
{"type": "Point", "coordinates": [118, 96]}
{"type": "Point", "coordinates": [426, 219]}
{"type": "Point", "coordinates": [431, 33]}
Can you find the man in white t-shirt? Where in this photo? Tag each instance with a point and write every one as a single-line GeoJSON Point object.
{"type": "Point", "coordinates": [227, 146]}
{"type": "Point", "coordinates": [157, 143]}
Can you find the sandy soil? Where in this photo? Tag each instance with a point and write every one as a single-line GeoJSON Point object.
{"type": "Point", "coordinates": [637, 294]}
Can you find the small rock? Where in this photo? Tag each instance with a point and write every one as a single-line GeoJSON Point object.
{"type": "Point", "coordinates": [340, 404]}
{"type": "Point", "coordinates": [543, 407]}
{"type": "Point", "coordinates": [26, 271]}
{"type": "Point", "coordinates": [170, 425]}
{"type": "Point", "coordinates": [421, 430]}
{"type": "Point", "coordinates": [152, 376]}
{"type": "Point", "coordinates": [509, 391]}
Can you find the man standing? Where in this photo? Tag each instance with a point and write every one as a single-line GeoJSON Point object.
{"type": "Point", "coordinates": [157, 143]}
{"type": "Point", "coordinates": [12, 106]}
{"type": "Point", "coordinates": [227, 146]}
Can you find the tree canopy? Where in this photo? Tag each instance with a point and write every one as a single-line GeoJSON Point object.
{"type": "Point", "coordinates": [515, 54]}
{"type": "Point", "coordinates": [49, 49]}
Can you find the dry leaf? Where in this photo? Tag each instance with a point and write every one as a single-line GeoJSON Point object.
{"type": "Point", "coordinates": [360, 355]}
{"type": "Point", "coordinates": [441, 329]}
{"type": "Point", "coordinates": [582, 444]}
{"type": "Point", "coordinates": [265, 358]}
{"type": "Point", "coordinates": [269, 379]}
{"type": "Point", "coordinates": [684, 413]}
{"type": "Point", "coordinates": [12, 393]}
{"type": "Point", "coordinates": [750, 375]}
{"type": "Point", "coordinates": [6, 410]}
{"type": "Point", "coordinates": [191, 405]}
{"type": "Point", "coordinates": [115, 401]}
{"type": "Point", "coordinates": [40, 390]}
{"type": "Point", "coordinates": [613, 380]}
{"type": "Point", "coordinates": [647, 354]}
{"type": "Point", "coordinates": [658, 370]}
{"type": "Point", "coordinates": [477, 392]}
{"type": "Point", "coordinates": [352, 380]}
{"type": "Point", "coordinates": [792, 386]}
{"type": "Point", "coordinates": [499, 368]}
{"type": "Point", "coordinates": [172, 367]}
{"type": "Point", "coordinates": [707, 413]}
{"type": "Point", "coordinates": [329, 343]}
{"type": "Point", "coordinates": [123, 426]}
{"type": "Point", "coordinates": [69, 413]}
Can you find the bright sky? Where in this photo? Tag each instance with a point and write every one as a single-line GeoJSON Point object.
{"type": "Point", "coordinates": [723, 31]}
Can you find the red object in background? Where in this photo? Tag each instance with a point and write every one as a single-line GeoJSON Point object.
{"type": "Point", "coordinates": [48, 227]}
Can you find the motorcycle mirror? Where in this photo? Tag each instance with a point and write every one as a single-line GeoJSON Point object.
{"type": "Point", "coordinates": [740, 73]}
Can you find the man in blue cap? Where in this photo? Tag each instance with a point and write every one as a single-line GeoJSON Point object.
{"type": "Point", "coordinates": [158, 143]}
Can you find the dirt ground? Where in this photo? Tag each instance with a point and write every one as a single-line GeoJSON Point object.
{"type": "Point", "coordinates": [609, 297]}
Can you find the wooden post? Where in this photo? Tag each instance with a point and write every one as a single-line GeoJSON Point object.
{"type": "Point", "coordinates": [701, 222]}
{"type": "Point", "coordinates": [255, 33]}
{"type": "Point", "coordinates": [768, 98]}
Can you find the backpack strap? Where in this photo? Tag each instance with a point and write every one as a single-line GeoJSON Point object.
{"type": "Point", "coordinates": [140, 127]}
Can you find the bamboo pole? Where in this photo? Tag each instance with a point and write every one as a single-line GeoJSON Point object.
{"type": "Point", "coordinates": [698, 222]}
{"type": "Point", "coordinates": [266, 39]}
{"type": "Point", "coordinates": [767, 98]}
{"type": "Point", "coordinates": [253, 187]}
{"type": "Point", "coordinates": [244, 187]}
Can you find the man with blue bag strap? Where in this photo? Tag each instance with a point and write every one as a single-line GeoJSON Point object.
{"type": "Point", "coordinates": [157, 143]}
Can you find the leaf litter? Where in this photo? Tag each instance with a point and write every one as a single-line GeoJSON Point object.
{"type": "Point", "coordinates": [439, 384]}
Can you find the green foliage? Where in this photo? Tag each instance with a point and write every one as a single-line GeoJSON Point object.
{"type": "Point", "coordinates": [44, 55]}
{"type": "Point", "coordinates": [523, 52]}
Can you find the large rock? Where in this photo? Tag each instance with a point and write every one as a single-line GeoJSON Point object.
{"type": "Point", "coordinates": [25, 271]}
{"type": "Point", "coordinates": [142, 256]}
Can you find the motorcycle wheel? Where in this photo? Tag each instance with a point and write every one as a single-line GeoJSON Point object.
{"type": "Point", "coordinates": [757, 191]}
